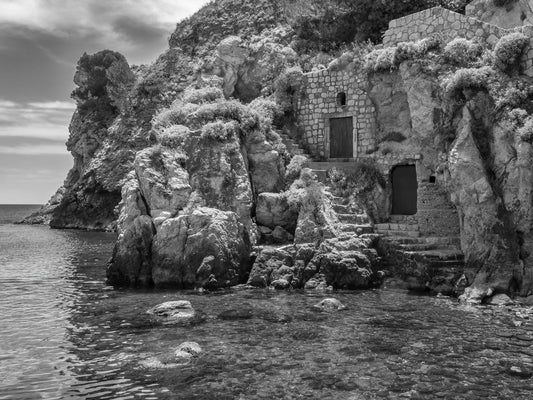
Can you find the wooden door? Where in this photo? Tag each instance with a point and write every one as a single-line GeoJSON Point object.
{"type": "Point", "coordinates": [341, 137]}
{"type": "Point", "coordinates": [404, 190]}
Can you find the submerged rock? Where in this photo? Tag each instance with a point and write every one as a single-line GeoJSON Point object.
{"type": "Point", "coordinates": [499, 300]}
{"type": "Point", "coordinates": [330, 304]}
{"type": "Point", "coordinates": [178, 312]}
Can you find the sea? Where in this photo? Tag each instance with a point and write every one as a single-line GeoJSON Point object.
{"type": "Point", "coordinates": [65, 333]}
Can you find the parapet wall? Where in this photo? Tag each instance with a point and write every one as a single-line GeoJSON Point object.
{"type": "Point", "coordinates": [448, 25]}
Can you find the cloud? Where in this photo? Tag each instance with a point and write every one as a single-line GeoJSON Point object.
{"type": "Point", "coordinates": [33, 149]}
{"type": "Point", "coordinates": [53, 105]}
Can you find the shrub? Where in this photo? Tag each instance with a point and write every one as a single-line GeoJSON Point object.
{"type": "Point", "coordinates": [203, 95]}
{"type": "Point", "coordinates": [462, 51]}
{"type": "Point", "coordinates": [526, 131]}
{"type": "Point", "coordinates": [508, 50]}
{"type": "Point", "coordinates": [390, 57]}
{"type": "Point", "coordinates": [295, 167]}
{"type": "Point", "coordinates": [220, 131]}
{"type": "Point", "coordinates": [365, 177]}
{"type": "Point", "coordinates": [268, 109]}
{"type": "Point", "coordinates": [287, 86]}
{"type": "Point", "coordinates": [177, 114]}
{"type": "Point", "coordinates": [467, 78]}
{"type": "Point", "coordinates": [173, 136]}
{"type": "Point", "coordinates": [305, 191]}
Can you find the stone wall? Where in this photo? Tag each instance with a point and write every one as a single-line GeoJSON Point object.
{"type": "Point", "coordinates": [319, 103]}
{"type": "Point", "coordinates": [447, 24]}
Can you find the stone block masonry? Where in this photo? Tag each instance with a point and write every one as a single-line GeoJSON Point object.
{"type": "Point", "coordinates": [319, 104]}
{"type": "Point", "coordinates": [449, 25]}
{"type": "Point", "coordinates": [445, 23]}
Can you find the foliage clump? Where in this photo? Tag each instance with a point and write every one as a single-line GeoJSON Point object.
{"type": "Point", "coordinates": [286, 87]}
{"type": "Point", "coordinates": [295, 167]}
{"type": "Point", "coordinates": [204, 95]}
{"type": "Point", "coordinates": [173, 136]}
{"type": "Point", "coordinates": [306, 192]}
{"type": "Point", "coordinates": [387, 59]}
{"type": "Point", "coordinates": [103, 81]}
{"type": "Point", "coordinates": [467, 78]}
{"type": "Point", "coordinates": [509, 49]}
{"type": "Point", "coordinates": [363, 178]}
{"type": "Point", "coordinates": [220, 131]}
{"type": "Point", "coordinates": [461, 51]}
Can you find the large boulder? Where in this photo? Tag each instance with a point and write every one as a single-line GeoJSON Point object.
{"type": "Point", "coordinates": [219, 176]}
{"type": "Point", "coordinates": [270, 260]}
{"type": "Point", "coordinates": [163, 180]}
{"type": "Point", "coordinates": [273, 210]}
{"type": "Point", "coordinates": [202, 247]}
{"type": "Point", "coordinates": [131, 263]}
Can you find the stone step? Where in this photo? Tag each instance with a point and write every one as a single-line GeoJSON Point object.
{"type": "Point", "coordinates": [397, 227]}
{"type": "Point", "coordinates": [444, 264]}
{"type": "Point", "coordinates": [357, 228]}
{"type": "Point", "coordinates": [428, 246]}
{"type": "Point", "coordinates": [394, 233]}
{"type": "Point", "coordinates": [436, 255]}
{"type": "Point", "coordinates": [360, 219]}
{"type": "Point", "coordinates": [403, 219]}
{"type": "Point", "coordinates": [437, 240]}
{"type": "Point", "coordinates": [341, 208]}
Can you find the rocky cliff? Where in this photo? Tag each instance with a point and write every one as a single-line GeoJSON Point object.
{"type": "Point", "coordinates": [183, 157]}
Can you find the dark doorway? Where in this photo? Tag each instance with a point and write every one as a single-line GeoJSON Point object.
{"type": "Point", "coordinates": [341, 137]}
{"type": "Point", "coordinates": [404, 187]}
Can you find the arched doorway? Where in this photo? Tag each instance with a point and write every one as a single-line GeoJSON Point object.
{"type": "Point", "coordinates": [404, 190]}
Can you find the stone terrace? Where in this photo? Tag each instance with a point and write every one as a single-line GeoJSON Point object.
{"type": "Point", "coordinates": [450, 25]}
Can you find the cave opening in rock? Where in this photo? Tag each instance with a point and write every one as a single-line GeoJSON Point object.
{"type": "Point", "coordinates": [404, 190]}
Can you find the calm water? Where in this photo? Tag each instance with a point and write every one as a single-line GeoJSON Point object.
{"type": "Point", "coordinates": [65, 334]}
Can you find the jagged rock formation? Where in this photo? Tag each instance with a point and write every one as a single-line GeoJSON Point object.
{"type": "Point", "coordinates": [506, 14]}
{"type": "Point", "coordinates": [201, 179]}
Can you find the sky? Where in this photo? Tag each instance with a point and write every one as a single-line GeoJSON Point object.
{"type": "Point", "coordinates": [40, 43]}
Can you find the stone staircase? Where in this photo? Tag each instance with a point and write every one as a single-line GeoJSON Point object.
{"type": "Point", "coordinates": [352, 220]}
{"type": "Point", "coordinates": [427, 262]}
{"type": "Point", "coordinates": [320, 168]}
{"type": "Point", "coordinates": [293, 146]}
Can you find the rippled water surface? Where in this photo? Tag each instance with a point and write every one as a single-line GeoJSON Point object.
{"type": "Point", "coordinates": [65, 334]}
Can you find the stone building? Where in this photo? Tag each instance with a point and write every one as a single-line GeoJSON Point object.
{"type": "Point", "coordinates": [393, 118]}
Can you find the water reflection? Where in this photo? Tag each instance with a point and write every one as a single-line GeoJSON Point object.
{"type": "Point", "coordinates": [65, 334]}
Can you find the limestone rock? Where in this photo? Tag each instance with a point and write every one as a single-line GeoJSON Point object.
{"type": "Point", "coordinates": [219, 177]}
{"type": "Point", "coordinates": [316, 219]}
{"type": "Point", "coordinates": [330, 304]}
{"type": "Point", "coordinates": [499, 300]}
{"type": "Point", "coordinates": [273, 210]}
{"type": "Point", "coordinates": [206, 242]}
{"type": "Point", "coordinates": [163, 181]}
{"type": "Point", "coordinates": [174, 312]}
{"type": "Point", "coordinates": [192, 348]}
{"type": "Point", "coordinates": [280, 235]}
{"type": "Point", "coordinates": [270, 259]}
{"type": "Point", "coordinates": [512, 15]}
{"type": "Point", "coordinates": [131, 262]}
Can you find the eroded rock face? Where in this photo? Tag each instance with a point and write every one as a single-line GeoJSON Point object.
{"type": "Point", "coordinates": [273, 210]}
{"type": "Point", "coordinates": [190, 249]}
{"type": "Point", "coordinates": [163, 180]}
{"type": "Point", "coordinates": [514, 14]}
{"type": "Point", "coordinates": [131, 263]}
{"type": "Point", "coordinates": [493, 196]}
